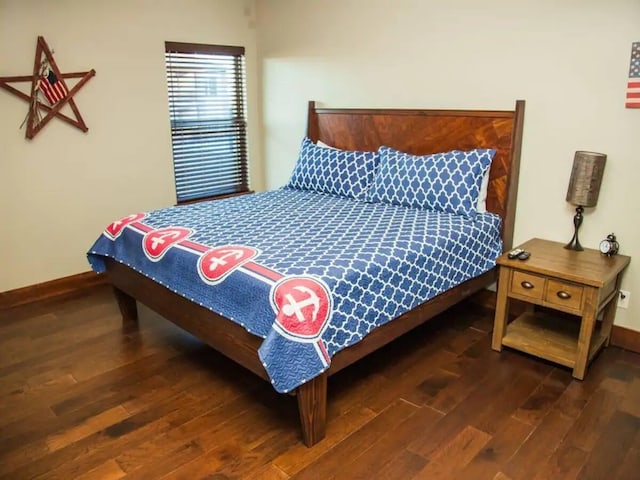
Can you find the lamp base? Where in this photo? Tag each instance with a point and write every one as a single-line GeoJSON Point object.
{"type": "Point", "coordinates": [574, 243]}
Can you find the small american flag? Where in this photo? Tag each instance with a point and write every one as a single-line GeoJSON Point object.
{"type": "Point", "coordinates": [53, 90]}
{"type": "Point", "coordinates": [633, 85]}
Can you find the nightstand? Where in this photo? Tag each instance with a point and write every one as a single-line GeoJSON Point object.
{"type": "Point", "coordinates": [584, 284]}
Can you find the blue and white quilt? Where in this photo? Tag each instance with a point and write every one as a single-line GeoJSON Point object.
{"type": "Point", "coordinates": [310, 273]}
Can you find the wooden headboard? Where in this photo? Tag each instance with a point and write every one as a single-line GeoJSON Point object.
{"type": "Point", "coordinates": [430, 131]}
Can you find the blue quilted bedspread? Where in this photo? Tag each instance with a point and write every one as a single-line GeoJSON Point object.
{"type": "Point", "coordinates": [309, 273]}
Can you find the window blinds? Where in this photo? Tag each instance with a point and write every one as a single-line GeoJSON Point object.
{"type": "Point", "coordinates": [207, 110]}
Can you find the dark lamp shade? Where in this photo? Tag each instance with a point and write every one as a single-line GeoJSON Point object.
{"type": "Point", "coordinates": [586, 178]}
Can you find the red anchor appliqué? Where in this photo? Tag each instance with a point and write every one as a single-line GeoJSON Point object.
{"type": "Point", "coordinates": [302, 306]}
{"type": "Point", "coordinates": [156, 243]}
{"type": "Point", "coordinates": [114, 229]}
{"type": "Point", "coordinates": [218, 263]}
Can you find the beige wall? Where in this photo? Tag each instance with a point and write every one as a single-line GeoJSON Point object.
{"type": "Point", "coordinates": [59, 190]}
{"type": "Point", "coordinates": [569, 60]}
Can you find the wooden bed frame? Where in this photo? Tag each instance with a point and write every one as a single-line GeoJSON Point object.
{"type": "Point", "coordinates": [413, 131]}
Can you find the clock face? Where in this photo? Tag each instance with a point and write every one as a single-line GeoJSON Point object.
{"type": "Point", "coordinates": [605, 246]}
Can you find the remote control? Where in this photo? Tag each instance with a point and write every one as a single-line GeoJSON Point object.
{"type": "Point", "coordinates": [514, 253]}
{"type": "Point", "coordinates": [524, 255]}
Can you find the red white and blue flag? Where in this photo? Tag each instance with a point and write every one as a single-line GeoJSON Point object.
{"type": "Point", "coordinates": [633, 85]}
{"type": "Point", "coordinates": [53, 89]}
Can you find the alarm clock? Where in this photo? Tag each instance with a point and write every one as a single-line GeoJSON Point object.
{"type": "Point", "coordinates": [609, 246]}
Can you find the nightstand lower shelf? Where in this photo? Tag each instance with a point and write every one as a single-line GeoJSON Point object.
{"type": "Point", "coordinates": [549, 337]}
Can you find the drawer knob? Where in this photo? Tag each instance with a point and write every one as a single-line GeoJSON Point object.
{"type": "Point", "coordinates": [527, 285]}
{"type": "Point", "coordinates": [564, 295]}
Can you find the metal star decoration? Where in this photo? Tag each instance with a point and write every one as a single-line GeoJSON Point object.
{"type": "Point", "coordinates": [64, 95]}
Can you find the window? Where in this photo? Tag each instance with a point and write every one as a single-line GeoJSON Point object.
{"type": "Point", "coordinates": [207, 111]}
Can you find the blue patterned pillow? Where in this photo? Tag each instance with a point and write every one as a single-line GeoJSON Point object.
{"type": "Point", "coordinates": [446, 182]}
{"type": "Point", "coordinates": [330, 170]}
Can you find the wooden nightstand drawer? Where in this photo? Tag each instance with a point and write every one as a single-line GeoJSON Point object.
{"type": "Point", "coordinates": [527, 285]}
{"type": "Point", "coordinates": [563, 294]}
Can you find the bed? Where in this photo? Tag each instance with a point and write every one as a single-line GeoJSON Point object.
{"type": "Point", "coordinates": [274, 266]}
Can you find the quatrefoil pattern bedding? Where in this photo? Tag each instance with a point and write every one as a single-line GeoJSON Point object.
{"type": "Point", "coordinates": [311, 273]}
{"type": "Point", "coordinates": [446, 182]}
{"type": "Point", "coordinates": [330, 170]}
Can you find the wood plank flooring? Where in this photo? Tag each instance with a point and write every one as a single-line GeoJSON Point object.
{"type": "Point", "coordinates": [82, 397]}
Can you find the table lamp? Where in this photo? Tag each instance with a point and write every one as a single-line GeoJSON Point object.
{"type": "Point", "coordinates": [584, 188]}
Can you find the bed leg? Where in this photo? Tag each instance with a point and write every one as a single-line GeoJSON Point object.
{"type": "Point", "coordinates": [312, 405]}
{"type": "Point", "coordinates": [127, 304]}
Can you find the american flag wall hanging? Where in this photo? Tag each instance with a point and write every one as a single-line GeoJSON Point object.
{"type": "Point", "coordinates": [47, 81]}
{"type": "Point", "coordinates": [52, 89]}
{"type": "Point", "coordinates": [633, 84]}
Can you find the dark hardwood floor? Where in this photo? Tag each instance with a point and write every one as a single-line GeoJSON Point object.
{"type": "Point", "coordinates": [82, 397]}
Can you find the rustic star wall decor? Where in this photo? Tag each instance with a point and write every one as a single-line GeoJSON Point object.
{"type": "Point", "coordinates": [48, 82]}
